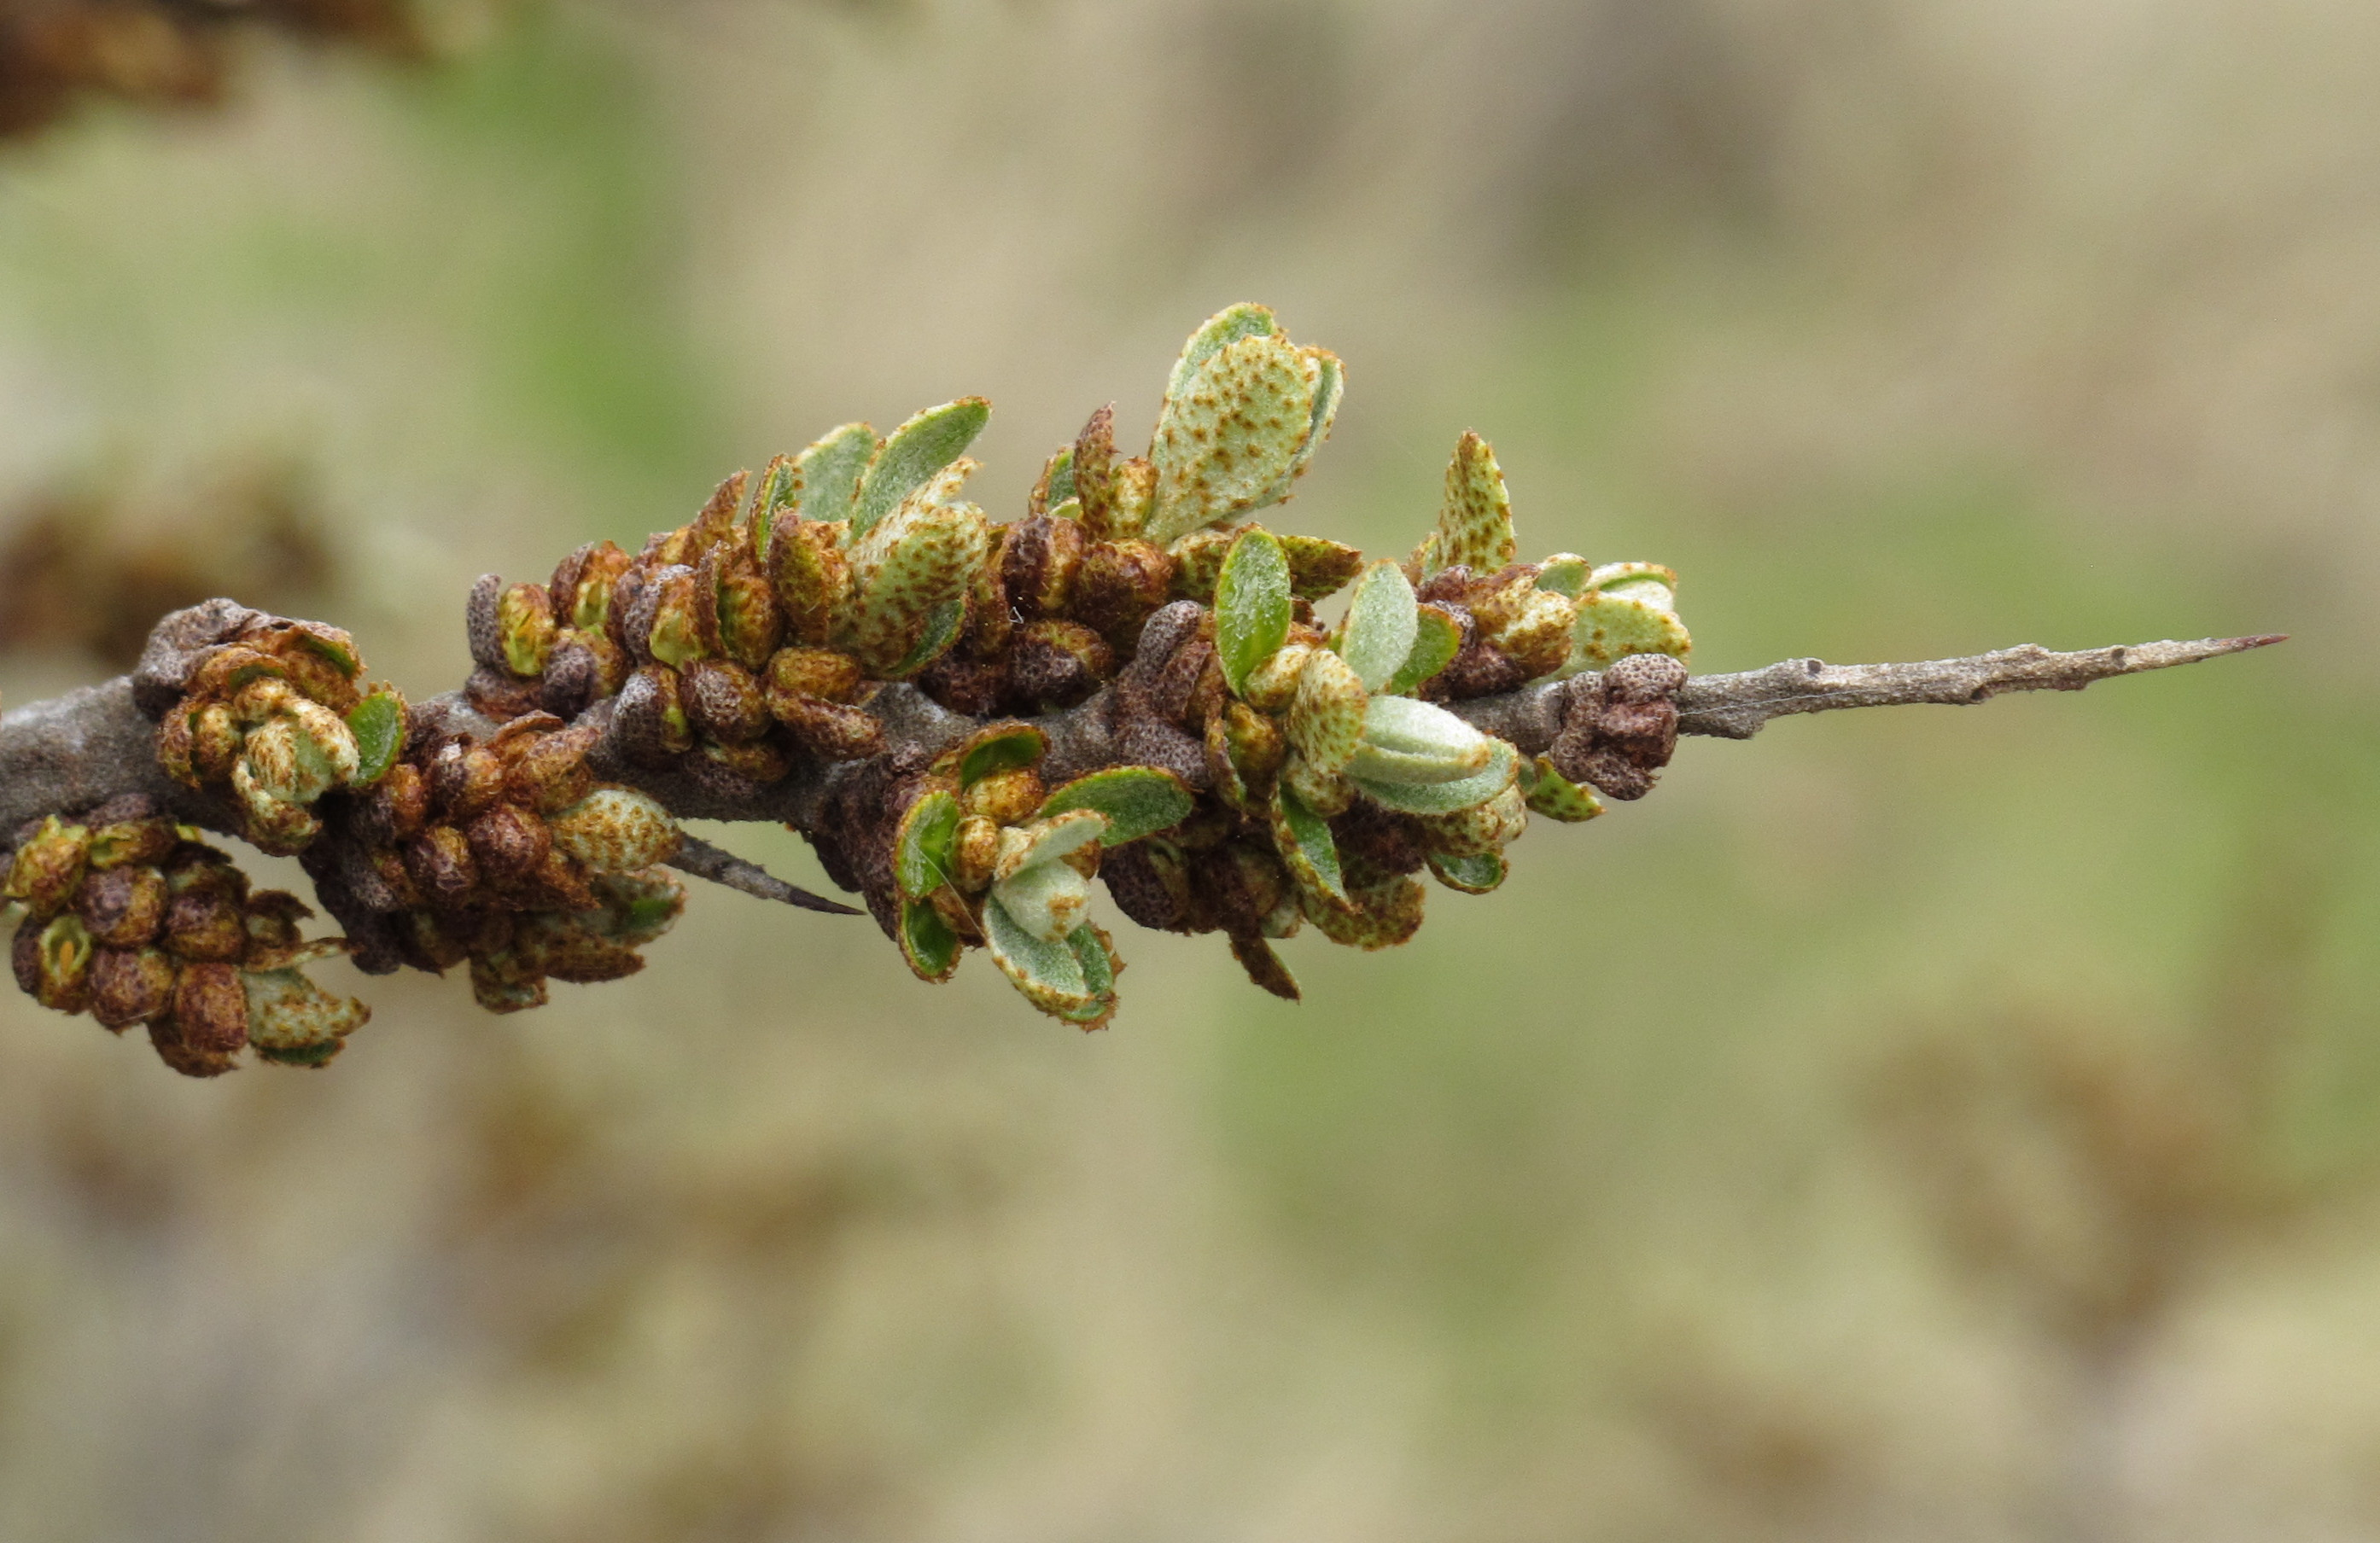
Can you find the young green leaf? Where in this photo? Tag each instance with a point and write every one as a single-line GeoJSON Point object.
{"type": "Point", "coordinates": [1381, 623]}
{"type": "Point", "coordinates": [1474, 524]}
{"type": "Point", "coordinates": [921, 852]}
{"type": "Point", "coordinates": [1473, 875]}
{"type": "Point", "coordinates": [1252, 605]}
{"type": "Point", "coordinates": [998, 747]}
{"type": "Point", "coordinates": [826, 476]}
{"type": "Point", "coordinates": [1437, 640]}
{"type": "Point", "coordinates": [1444, 798]}
{"type": "Point", "coordinates": [1232, 441]}
{"type": "Point", "coordinates": [1050, 975]}
{"type": "Point", "coordinates": [1407, 741]}
{"type": "Point", "coordinates": [916, 451]}
{"type": "Point", "coordinates": [928, 943]}
{"type": "Point", "coordinates": [378, 725]}
{"type": "Point", "coordinates": [1216, 333]}
{"type": "Point", "coordinates": [1137, 801]}
{"type": "Point", "coordinates": [1306, 846]}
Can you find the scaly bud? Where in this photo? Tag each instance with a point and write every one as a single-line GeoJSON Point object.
{"type": "Point", "coordinates": [1326, 719]}
{"type": "Point", "coordinates": [1056, 663]}
{"type": "Point", "coordinates": [1004, 797]}
{"type": "Point", "coordinates": [130, 985]}
{"type": "Point", "coordinates": [295, 1022]}
{"type": "Point", "coordinates": [910, 575]}
{"type": "Point", "coordinates": [48, 867]}
{"type": "Point", "coordinates": [122, 908]}
{"type": "Point", "coordinates": [210, 1013]}
{"type": "Point", "coordinates": [749, 620]}
{"type": "Point", "coordinates": [650, 721]}
{"type": "Point", "coordinates": [1120, 584]}
{"type": "Point", "coordinates": [52, 962]}
{"type": "Point", "coordinates": [1039, 558]}
{"type": "Point", "coordinates": [612, 830]}
{"type": "Point", "coordinates": [525, 628]}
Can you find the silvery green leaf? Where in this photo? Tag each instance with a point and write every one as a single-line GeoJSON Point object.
{"type": "Point", "coordinates": [916, 451]}
{"type": "Point", "coordinates": [1628, 607]}
{"type": "Point", "coordinates": [1252, 605]}
{"type": "Point", "coordinates": [1233, 436]}
{"type": "Point", "coordinates": [1044, 842]}
{"type": "Point", "coordinates": [1306, 846]}
{"type": "Point", "coordinates": [1564, 573]}
{"type": "Point", "coordinates": [927, 942]}
{"type": "Point", "coordinates": [921, 851]}
{"type": "Point", "coordinates": [1444, 798]}
{"type": "Point", "coordinates": [1474, 875]}
{"type": "Point", "coordinates": [1408, 740]}
{"type": "Point", "coordinates": [1137, 801]}
{"type": "Point", "coordinates": [1047, 972]}
{"type": "Point", "coordinates": [1380, 626]}
{"type": "Point", "coordinates": [1437, 640]}
{"type": "Point", "coordinates": [826, 476]}
{"type": "Point", "coordinates": [1474, 524]}
{"type": "Point", "coordinates": [1320, 569]}
{"type": "Point", "coordinates": [1057, 484]}
{"type": "Point", "coordinates": [1330, 384]}
{"type": "Point", "coordinates": [1216, 333]}
{"type": "Point", "coordinates": [997, 747]}
{"type": "Point", "coordinates": [1048, 899]}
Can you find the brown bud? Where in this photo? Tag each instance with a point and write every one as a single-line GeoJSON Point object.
{"type": "Point", "coordinates": [122, 907]}
{"type": "Point", "coordinates": [1149, 884]}
{"type": "Point", "coordinates": [214, 742]}
{"type": "Point", "coordinates": [210, 1009]}
{"type": "Point", "coordinates": [744, 614]}
{"type": "Point", "coordinates": [974, 687]}
{"type": "Point", "coordinates": [549, 771]}
{"type": "Point", "coordinates": [1039, 560]}
{"type": "Point", "coordinates": [129, 843]}
{"type": "Point", "coordinates": [757, 762]}
{"type": "Point", "coordinates": [822, 672]}
{"type": "Point", "coordinates": [675, 633]}
{"type": "Point", "coordinates": [500, 694]}
{"type": "Point", "coordinates": [1094, 475]}
{"type": "Point", "coordinates": [272, 918]}
{"type": "Point", "coordinates": [429, 944]}
{"type": "Point", "coordinates": [482, 626]}
{"type": "Point", "coordinates": [649, 723]}
{"type": "Point", "coordinates": [581, 590]}
{"type": "Point", "coordinates": [1005, 798]}
{"type": "Point", "coordinates": [722, 702]}
{"type": "Point", "coordinates": [400, 804]}
{"type": "Point", "coordinates": [508, 843]}
{"type": "Point", "coordinates": [52, 962]}
{"type": "Point", "coordinates": [558, 885]}
{"type": "Point", "coordinates": [465, 779]}
{"type": "Point", "coordinates": [204, 918]}
{"type": "Point", "coordinates": [811, 575]}
{"type": "Point", "coordinates": [574, 675]}
{"type": "Point", "coordinates": [1119, 585]}
{"type": "Point", "coordinates": [317, 678]}
{"type": "Point", "coordinates": [830, 730]}
{"type": "Point", "coordinates": [165, 1038]}
{"type": "Point", "coordinates": [1620, 729]}
{"type": "Point", "coordinates": [1057, 664]}
{"type": "Point", "coordinates": [440, 863]}
{"type": "Point", "coordinates": [566, 950]}
{"type": "Point", "coordinates": [975, 851]}
{"type": "Point", "coordinates": [132, 985]}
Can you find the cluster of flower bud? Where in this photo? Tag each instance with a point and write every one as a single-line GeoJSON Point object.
{"type": "Point", "coordinates": [275, 714]}
{"type": "Point", "coordinates": [125, 916]}
{"type": "Point", "coordinates": [504, 854]}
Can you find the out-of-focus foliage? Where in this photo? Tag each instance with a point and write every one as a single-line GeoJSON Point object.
{"type": "Point", "coordinates": [1627, 1207]}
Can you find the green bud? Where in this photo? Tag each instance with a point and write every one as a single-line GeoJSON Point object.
{"type": "Point", "coordinates": [1320, 569]}
{"type": "Point", "coordinates": [52, 962]}
{"type": "Point", "coordinates": [1327, 793]}
{"type": "Point", "coordinates": [525, 628]}
{"type": "Point", "coordinates": [676, 636]}
{"type": "Point", "coordinates": [48, 867]}
{"type": "Point", "coordinates": [1272, 685]}
{"type": "Point", "coordinates": [1133, 501]}
{"type": "Point", "coordinates": [1565, 573]}
{"type": "Point", "coordinates": [1045, 842]}
{"type": "Point", "coordinates": [614, 830]}
{"type": "Point", "coordinates": [1302, 836]}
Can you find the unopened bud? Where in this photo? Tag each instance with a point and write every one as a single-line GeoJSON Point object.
{"type": "Point", "coordinates": [1039, 561]}
{"type": "Point", "coordinates": [295, 1022]}
{"type": "Point", "coordinates": [813, 577]}
{"type": "Point", "coordinates": [525, 628]}
{"type": "Point", "coordinates": [674, 634]}
{"type": "Point", "coordinates": [441, 866]}
{"type": "Point", "coordinates": [132, 985]}
{"type": "Point", "coordinates": [830, 730]}
{"type": "Point", "coordinates": [210, 1009]}
{"type": "Point", "coordinates": [1005, 797]}
{"type": "Point", "coordinates": [1056, 663]}
{"type": "Point", "coordinates": [749, 620]}
{"type": "Point", "coordinates": [52, 962]}
{"type": "Point", "coordinates": [1118, 586]}
{"type": "Point", "coordinates": [1326, 718]}
{"type": "Point", "coordinates": [465, 778]}
{"type": "Point", "coordinates": [122, 907]}
{"type": "Point", "coordinates": [722, 702]}
{"type": "Point", "coordinates": [612, 830]}
{"type": "Point", "coordinates": [48, 866]}
{"type": "Point", "coordinates": [650, 721]}
{"type": "Point", "coordinates": [973, 853]}
{"type": "Point", "coordinates": [1272, 685]}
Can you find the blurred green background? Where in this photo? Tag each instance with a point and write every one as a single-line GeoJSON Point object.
{"type": "Point", "coordinates": [1908, 1125]}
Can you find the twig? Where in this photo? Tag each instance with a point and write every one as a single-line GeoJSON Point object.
{"type": "Point", "coordinates": [722, 867]}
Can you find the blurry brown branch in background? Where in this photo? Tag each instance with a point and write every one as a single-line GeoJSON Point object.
{"type": "Point", "coordinates": [164, 53]}
{"type": "Point", "coordinates": [92, 571]}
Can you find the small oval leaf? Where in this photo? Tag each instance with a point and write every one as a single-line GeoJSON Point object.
{"type": "Point", "coordinates": [1444, 798]}
{"type": "Point", "coordinates": [928, 943]}
{"type": "Point", "coordinates": [378, 725]}
{"type": "Point", "coordinates": [921, 853]}
{"type": "Point", "coordinates": [998, 748]}
{"type": "Point", "coordinates": [1308, 849]}
{"type": "Point", "coordinates": [1475, 874]}
{"type": "Point", "coordinates": [1383, 623]}
{"type": "Point", "coordinates": [1137, 801]}
{"type": "Point", "coordinates": [916, 451]}
{"type": "Point", "coordinates": [1437, 640]}
{"type": "Point", "coordinates": [1252, 605]}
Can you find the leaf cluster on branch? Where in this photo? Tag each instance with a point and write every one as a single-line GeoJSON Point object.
{"type": "Point", "coordinates": [971, 722]}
